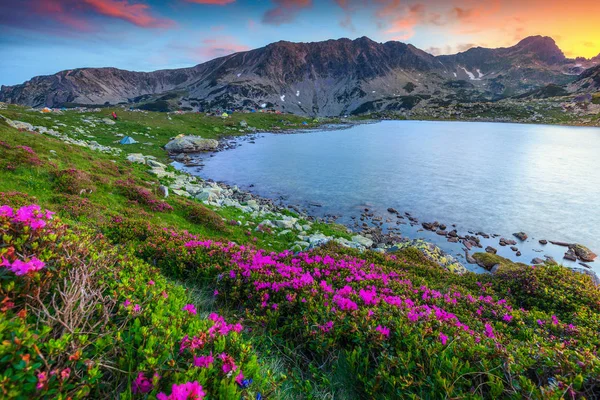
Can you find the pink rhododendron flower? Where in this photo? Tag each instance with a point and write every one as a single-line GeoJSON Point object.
{"type": "Point", "coordinates": [190, 308]}
{"type": "Point", "coordinates": [23, 267]}
{"type": "Point", "coordinates": [384, 330]}
{"type": "Point", "coordinates": [489, 331]}
{"type": "Point", "coordinates": [443, 338]}
{"type": "Point", "coordinates": [186, 391]}
{"type": "Point", "coordinates": [150, 282]}
{"type": "Point", "coordinates": [137, 308]}
{"type": "Point", "coordinates": [141, 384]}
{"type": "Point", "coordinates": [204, 361]}
{"type": "Point", "coordinates": [42, 378]}
{"type": "Point", "coordinates": [126, 303]}
{"type": "Point", "coordinates": [507, 317]}
{"type": "Point", "coordinates": [239, 378]}
{"type": "Point", "coordinates": [65, 373]}
{"type": "Point", "coordinates": [228, 363]}
{"type": "Point", "coordinates": [6, 211]}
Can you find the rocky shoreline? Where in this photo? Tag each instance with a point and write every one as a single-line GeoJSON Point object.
{"type": "Point", "coordinates": [367, 231]}
{"type": "Point", "coordinates": [383, 231]}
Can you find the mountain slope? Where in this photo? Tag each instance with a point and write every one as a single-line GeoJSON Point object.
{"type": "Point", "coordinates": [333, 77]}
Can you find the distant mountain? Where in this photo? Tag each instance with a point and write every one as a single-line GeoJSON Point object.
{"type": "Point", "coordinates": [333, 77]}
{"type": "Point", "coordinates": [587, 82]}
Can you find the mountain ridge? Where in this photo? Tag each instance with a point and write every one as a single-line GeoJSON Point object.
{"type": "Point", "coordinates": [332, 77]}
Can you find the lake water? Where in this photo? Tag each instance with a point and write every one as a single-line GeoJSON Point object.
{"type": "Point", "coordinates": [490, 177]}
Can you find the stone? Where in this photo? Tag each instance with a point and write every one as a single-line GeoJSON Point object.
{"type": "Point", "coordinates": [363, 241]}
{"type": "Point", "coordinates": [153, 163]}
{"type": "Point", "coordinates": [441, 232]}
{"type": "Point", "coordinates": [570, 255]}
{"type": "Point", "coordinates": [392, 210]}
{"type": "Point", "coordinates": [136, 158]}
{"type": "Point", "coordinates": [514, 248]}
{"type": "Point", "coordinates": [583, 253]}
{"type": "Point", "coordinates": [543, 241]}
{"type": "Point", "coordinates": [253, 204]}
{"type": "Point", "coordinates": [285, 223]}
{"type": "Point", "coordinates": [163, 190]}
{"type": "Point", "coordinates": [491, 250]}
{"type": "Point", "coordinates": [243, 123]}
{"type": "Point", "coordinates": [191, 144]}
{"type": "Point", "coordinates": [522, 236]}
{"type": "Point", "coordinates": [537, 261]}
{"type": "Point", "coordinates": [108, 121]}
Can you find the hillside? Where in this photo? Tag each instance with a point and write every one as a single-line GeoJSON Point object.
{"type": "Point", "coordinates": [127, 293]}
{"type": "Point", "coordinates": [330, 78]}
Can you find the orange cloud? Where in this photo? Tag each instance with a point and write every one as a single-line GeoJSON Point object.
{"type": "Point", "coordinates": [285, 11]}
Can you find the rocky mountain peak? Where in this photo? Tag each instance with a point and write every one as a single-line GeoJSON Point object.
{"type": "Point", "coordinates": [543, 47]}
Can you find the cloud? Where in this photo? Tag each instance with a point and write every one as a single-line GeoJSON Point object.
{"type": "Point", "coordinates": [212, 2]}
{"type": "Point", "coordinates": [285, 11]}
{"type": "Point", "coordinates": [65, 17]}
{"type": "Point", "coordinates": [219, 46]}
{"type": "Point", "coordinates": [135, 13]}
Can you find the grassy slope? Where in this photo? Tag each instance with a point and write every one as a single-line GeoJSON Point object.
{"type": "Point", "coordinates": [159, 127]}
{"type": "Point", "coordinates": [353, 360]}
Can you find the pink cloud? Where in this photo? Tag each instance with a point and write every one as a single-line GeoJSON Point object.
{"type": "Point", "coordinates": [70, 16]}
{"type": "Point", "coordinates": [135, 13]}
{"type": "Point", "coordinates": [212, 2]}
{"type": "Point", "coordinates": [220, 46]}
{"type": "Point", "coordinates": [285, 11]}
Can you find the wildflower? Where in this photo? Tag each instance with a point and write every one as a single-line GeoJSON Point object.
{"type": "Point", "coordinates": [6, 211]}
{"type": "Point", "coordinates": [204, 361]}
{"type": "Point", "coordinates": [540, 322]}
{"type": "Point", "coordinates": [126, 303]}
{"type": "Point", "coordinates": [186, 391]}
{"type": "Point", "coordinates": [384, 330]}
{"type": "Point", "coordinates": [23, 267]}
{"type": "Point", "coordinates": [42, 378]}
{"type": "Point", "coordinates": [165, 294]}
{"type": "Point", "coordinates": [190, 308]}
{"type": "Point", "coordinates": [327, 327]}
{"type": "Point", "coordinates": [443, 338]}
{"type": "Point", "coordinates": [489, 331]}
{"type": "Point", "coordinates": [137, 308]}
{"type": "Point", "coordinates": [507, 317]}
{"type": "Point", "coordinates": [228, 363]}
{"type": "Point", "coordinates": [239, 378]}
{"type": "Point", "coordinates": [554, 320]}
{"type": "Point", "coordinates": [64, 374]}
{"type": "Point", "coordinates": [216, 293]}
{"type": "Point", "coordinates": [150, 282]}
{"type": "Point", "coordinates": [141, 384]}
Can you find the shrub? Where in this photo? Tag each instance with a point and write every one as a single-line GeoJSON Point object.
{"type": "Point", "coordinates": [81, 318]}
{"type": "Point", "coordinates": [138, 194]}
{"type": "Point", "coordinates": [202, 215]}
{"type": "Point", "coordinates": [73, 181]}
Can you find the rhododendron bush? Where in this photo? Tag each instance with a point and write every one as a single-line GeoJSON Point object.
{"type": "Point", "coordinates": [405, 329]}
{"type": "Point", "coordinates": [79, 317]}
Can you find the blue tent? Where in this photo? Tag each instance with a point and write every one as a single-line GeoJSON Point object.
{"type": "Point", "coordinates": [127, 140]}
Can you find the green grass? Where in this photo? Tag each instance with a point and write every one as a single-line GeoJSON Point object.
{"type": "Point", "coordinates": [154, 129]}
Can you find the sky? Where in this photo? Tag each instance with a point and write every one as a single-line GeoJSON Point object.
{"type": "Point", "coordinates": [42, 37]}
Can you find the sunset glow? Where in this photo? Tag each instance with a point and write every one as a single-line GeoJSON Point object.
{"type": "Point", "coordinates": [148, 34]}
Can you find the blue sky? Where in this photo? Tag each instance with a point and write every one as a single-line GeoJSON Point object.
{"type": "Point", "coordinates": [40, 37]}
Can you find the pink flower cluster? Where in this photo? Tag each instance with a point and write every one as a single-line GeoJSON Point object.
{"type": "Point", "coordinates": [185, 391]}
{"type": "Point", "coordinates": [23, 267]}
{"type": "Point", "coordinates": [31, 216]}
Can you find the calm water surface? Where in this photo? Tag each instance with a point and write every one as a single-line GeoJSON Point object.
{"type": "Point", "coordinates": [495, 178]}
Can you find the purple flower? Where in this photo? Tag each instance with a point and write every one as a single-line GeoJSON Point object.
{"type": "Point", "coordinates": [443, 338]}
{"type": "Point", "coordinates": [489, 331]}
{"type": "Point", "coordinates": [190, 308]}
{"type": "Point", "coordinates": [384, 330]}
{"type": "Point", "coordinates": [204, 361]}
{"type": "Point", "coordinates": [186, 391]}
{"type": "Point", "coordinates": [141, 384]}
